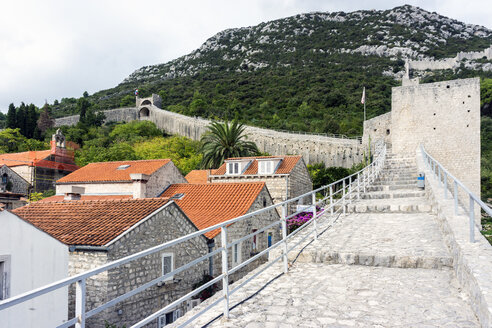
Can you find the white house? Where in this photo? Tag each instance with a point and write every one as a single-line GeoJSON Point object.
{"type": "Point", "coordinates": [30, 258]}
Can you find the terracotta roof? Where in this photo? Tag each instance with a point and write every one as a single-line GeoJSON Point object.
{"type": "Point", "coordinates": [108, 171]}
{"type": "Point", "coordinates": [59, 198]}
{"type": "Point", "coordinates": [84, 222]}
{"type": "Point", "coordinates": [286, 166]}
{"type": "Point", "coordinates": [212, 203]}
{"type": "Point", "coordinates": [24, 158]}
{"type": "Point", "coordinates": [197, 176]}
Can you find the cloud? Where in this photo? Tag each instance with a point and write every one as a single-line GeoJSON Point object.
{"type": "Point", "coordinates": [53, 49]}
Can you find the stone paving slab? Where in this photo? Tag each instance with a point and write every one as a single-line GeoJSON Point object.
{"type": "Point", "coordinates": [409, 240]}
{"type": "Point", "coordinates": [318, 295]}
{"type": "Point", "coordinates": [397, 205]}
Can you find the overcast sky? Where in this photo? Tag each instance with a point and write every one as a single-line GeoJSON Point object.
{"type": "Point", "coordinates": [52, 49]}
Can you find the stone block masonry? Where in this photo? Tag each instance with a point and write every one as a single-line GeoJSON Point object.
{"type": "Point", "coordinates": [313, 148]}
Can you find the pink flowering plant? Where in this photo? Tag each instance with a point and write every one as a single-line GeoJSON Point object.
{"type": "Point", "coordinates": [298, 220]}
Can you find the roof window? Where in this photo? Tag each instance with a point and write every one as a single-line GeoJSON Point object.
{"type": "Point", "coordinates": [123, 167]}
{"type": "Point", "coordinates": [177, 196]}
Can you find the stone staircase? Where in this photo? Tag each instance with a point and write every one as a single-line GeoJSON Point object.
{"type": "Point", "coordinates": [394, 191]}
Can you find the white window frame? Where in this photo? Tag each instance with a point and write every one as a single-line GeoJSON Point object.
{"type": "Point", "coordinates": [265, 167]}
{"type": "Point", "coordinates": [236, 168]}
{"type": "Point", "coordinates": [161, 320]}
{"type": "Point", "coordinates": [164, 255]}
{"type": "Point", "coordinates": [237, 248]}
{"type": "Point", "coordinates": [4, 277]}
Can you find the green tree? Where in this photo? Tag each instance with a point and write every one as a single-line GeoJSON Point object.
{"type": "Point", "coordinates": [128, 100]}
{"type": "Point", "coordinates": [134, 131]}
{"type": "Point", "coordinates": [45, 120]}
{"type": "Point", "coordinates": [225, 140]}
{"type": "Point", "coordinates": [82, 106]}
{"type": "Point", "coordinates": [12, 117]}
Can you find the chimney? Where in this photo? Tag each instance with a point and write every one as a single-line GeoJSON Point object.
{"type": "Point", "coordinates": [139, 184]}
{"type": "Point", "coordinates": [74, 193]}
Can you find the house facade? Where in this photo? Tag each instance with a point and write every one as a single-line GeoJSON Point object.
{"type": "Point", "coordinates": [285, 176]}
{"type": "Point", "coordinates": [141, 179]}
{"type": "Point", "coordinates": [37, 170]}
{"type": "Point", "coordinates": [210, 204]}
{"type": "Point", "coordinates": [31, 258]}
{"type": "Point", "coordinates": [98, 232]}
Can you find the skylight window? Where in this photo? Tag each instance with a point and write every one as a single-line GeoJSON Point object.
{"type": "Point", "coordinates": [123, 167]}
{"type": "Point", "coordinates": [177, 196]}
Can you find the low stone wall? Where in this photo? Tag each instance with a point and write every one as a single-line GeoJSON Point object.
{"type": "Point", "coordinates": [472, 261]}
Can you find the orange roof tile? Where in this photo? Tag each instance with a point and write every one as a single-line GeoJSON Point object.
{"type": "Point", "coordinates": [285, 167]}
{"type": "Point", "coordinates": [108, 171]}
{"type": "Point", "coordinates": [59, 198]}
{"type": "Point", "coordinates": [213, 203]}
{"type": "Point", "coordinates": [24, 158]}
{"type": "Point", "coordinates": [85, 222]}
{"type": "Point", "coordinates": [197, 176]}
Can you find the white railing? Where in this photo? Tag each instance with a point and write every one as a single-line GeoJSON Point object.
{"type": "Point", "coordinates": [336, 197]}
{"type": "Point", "coordinates": [445, 179]}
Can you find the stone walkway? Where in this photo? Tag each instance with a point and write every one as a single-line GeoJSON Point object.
{"type": "Point", "coordinates": [384, 264]}
{"type": "Point", "coordinates": [319, 295]}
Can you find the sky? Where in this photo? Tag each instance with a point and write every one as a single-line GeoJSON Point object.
{"type": "Point", "coordinates": [55, 49]}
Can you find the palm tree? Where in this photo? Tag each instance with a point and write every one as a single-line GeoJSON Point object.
{"type": "Point", "coordinates": [225, 140]}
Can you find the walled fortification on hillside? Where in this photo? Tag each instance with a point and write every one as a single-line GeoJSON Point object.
{"type": "Point", "coordinates": [444, 117]}
{"type": "Point", "coordinates": [314, 148]}
{"type": "Point", "coordinates": [450, 63]}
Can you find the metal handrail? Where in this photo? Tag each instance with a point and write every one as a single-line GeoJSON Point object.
{"type": "Point", "coordinates": [356, 185]}
{"type": "Point", "coordinates": [442, 175]}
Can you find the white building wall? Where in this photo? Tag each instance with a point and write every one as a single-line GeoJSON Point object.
{"type": "Point", "coordinates": [113, 188]}
{"type": "Point", "coordinates": [36, 259]}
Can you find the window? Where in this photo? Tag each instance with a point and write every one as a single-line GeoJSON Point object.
{"type": "Point", "coordinates": [167, 264]}
{"type": "Point", "coordinates": [236, 254]}
{"type": "Point", "coordinates": [5, 178]}
{"type": "Point", "coordinates": [233, 168]}
{"type": "Point", "coordinates": [270, 239]}
{"type": "Point", "coordinates": [4, 277]}
{"type": "Point", "coordinates": [253, 244]}
{"type": "Point", "coordinates": [265, 167]}
{"type": "Point", "coordinates": [169, 317]}
{"type": "Point", "coordinates": [123, 167]}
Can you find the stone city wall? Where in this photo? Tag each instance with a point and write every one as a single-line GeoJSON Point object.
{"type": "Point", "coordinates": [445, 118]}
{"type": "Point", "coordinates": [314, 148]}
{"type": "Point", "coordinates": [377, 128]}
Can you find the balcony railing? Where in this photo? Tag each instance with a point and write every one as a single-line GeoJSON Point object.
{"type": "Point", "coordinates": [335, 198]}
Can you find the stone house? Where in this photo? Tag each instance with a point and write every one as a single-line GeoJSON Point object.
{"type": "Point", "coordinates": [30, 258]}
{"type": "Point", "coordinates": [37, 170]}
{"type": "Point", "coordinates": [210, 204]}
{"type": "Point", "coordinates": [142, 179]}
{"type": "Point", "coordinates": [285, 176]}
{"type": "Point", "coordinates": [97, 232]}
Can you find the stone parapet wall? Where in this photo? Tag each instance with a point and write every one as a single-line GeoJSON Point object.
{"type": "Point", "coordinates": [125, 114]}
{"type": "Point", "coordinates": [472, 262]}
{"type": "Point", "coordinates": [377, 128]}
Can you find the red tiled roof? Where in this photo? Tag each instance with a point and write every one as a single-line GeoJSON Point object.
{"type": "Point", "coordinates": [285, 167]}
{"type": "Point", "coordinates": [59, 198]}
{"type": "Point", "coordinates": [213, 203]}
{"type": "Point", "coordinates": [108, 171]}
{"type": "Point", "coordinates": [85, 222]}
{"type": "Point", "coordinates": [24, 158]}
{"type": "Point", "coordinates": [197, 176]}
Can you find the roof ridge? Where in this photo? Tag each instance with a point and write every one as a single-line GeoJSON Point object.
{"type": "Point", "coordinates": [137, 160]}
{"type": "Point", "coordinates": [221, 184]}
{"type": "Point", "coordinates": [115, 200]}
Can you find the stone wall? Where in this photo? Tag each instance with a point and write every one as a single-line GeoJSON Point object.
{"type": "Point", "coordinates": [314, 148]}
{"type": "Point", "coordinates": [19, 184]}
{"type": "Point", "coordinates": [96, 286]}
{"type": "Point", "coordinates": [377, 128]}
{"type": "Point", "coordinates": [168, 224]}
{"type": "Point", "coordinates": [445, 118]}
{"type": "Point", "coordinates": [245, 227]}
{"type": "Point", "coordinates": [162, 178]}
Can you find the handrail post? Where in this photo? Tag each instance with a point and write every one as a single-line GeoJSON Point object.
{"type": "Point", "coordinates": [472, 220]}
{"type": "Point", "coordinates": [439, 169]}
{"type": "Point", "coordinates": [455, 197]}
{"type": "Point", "coordinates": [445, 185]}
{"type": "Point", "coordinates": [80, 298]}
{"type": "Point", "coordinates": [343, 196]}
{"type": "Point", "coordinates": [358, 186]}
{"type": "Point", "coordinates": [315, 228]}
{"type": "Point", "coordinates": [350, 190]}
{"type": "Point", "coordinates": [331, 199]}
{"type": "Point", "coordinates": [284, 237]}
{"type": "Point", "coordinates": [364, 174]}
{"type": "Point", "coordinates": [225, 270]}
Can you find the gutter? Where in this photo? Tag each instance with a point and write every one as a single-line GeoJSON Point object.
{"type": "Point", "coordinates": [74, 248]}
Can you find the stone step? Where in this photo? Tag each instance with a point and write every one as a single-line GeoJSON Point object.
{"type": "Point", "coordinates": [402, 193]}
{"type": "Point", "coordinates": [397, 205]}
{"type": "Point", "coordinates": [396, 240]}
{"type": "Point", "coordinates": [386, 182]}
{"type": "Point", "coordinates": [387, 187]}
